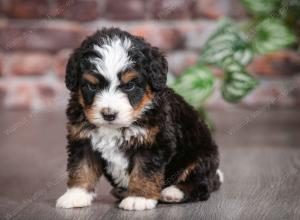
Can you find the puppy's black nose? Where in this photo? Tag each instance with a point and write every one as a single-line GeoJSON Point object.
{"type": "Point", "coordinates": [109, 116]}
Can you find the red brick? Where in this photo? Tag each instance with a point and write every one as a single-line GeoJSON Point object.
{"type": "Point", "coordinates": [166, 38]}
{"type": "Point", "coordinates": [282, 63]}
{"type": "Point", "coordinates": [46, 93]}
{"type": "Point", "coordinates": [273, 94]}
{"type": "Point", "coordinates": [265, 93]}
{"type": "Point", "coordinates": [79, 10]}
{"type": "Point", "coordinates": [61, 60]}
{"type": "Point", "coordinates": [44, 35]}
{"type": "Point", "coordinates": [215, 9]}
{"type": "Point", "coordinates": [295, 93]}
{"type": "Point", "coordinates": [26, 9]}
{"type": "Point", "coordinates": [43, 93]}
{"type": "Point", "coordinates": [126, 10]}
{"type": "Point", "coordinates": [2, 5]}
{"type": "Point", "coordinates": [3, 90]}
{"type": "Point", "coordinates": [51, 94]}
{"type": "Point", "coordinates": [168, 35]}
{"type": "Point", "coordinates": [237, 10]}
{"type": "Point", "coordinates": [19, 95]}
{"type": "Point", "coordinates": [24, 64]}
{"type": "Point", "coordinates": [195, 34]}
{"type": "Point", "coordinates": [171, 9]}
{"type": "Point", "coordinates": [1, 65]}
{"type": "Point", "coordinates": [180, 60]}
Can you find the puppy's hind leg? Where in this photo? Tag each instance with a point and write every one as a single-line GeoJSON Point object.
{"type": "Point", "coordinates": [192, 185]}
{"type": "Point", "coordinates": [186, 192]}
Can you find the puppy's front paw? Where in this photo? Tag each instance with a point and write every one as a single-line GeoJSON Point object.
{"type": "Point", "coordinates": [137, 203]}
{"type": "Point", "coordinates": [172, 194]}
{"type": "Point", "coordinates": [75, 197]}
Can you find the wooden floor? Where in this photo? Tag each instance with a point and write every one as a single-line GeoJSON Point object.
{"type": "Point", "coordinates": [260, 156]}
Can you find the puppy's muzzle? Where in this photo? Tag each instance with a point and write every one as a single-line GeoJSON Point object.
{"type": "Point", "coordinates": [108, 114]}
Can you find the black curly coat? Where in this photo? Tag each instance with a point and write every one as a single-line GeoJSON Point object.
{"type": "Point", "coordinates": [178, 148]}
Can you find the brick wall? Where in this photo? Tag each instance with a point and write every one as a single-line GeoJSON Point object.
{"type": "Point", "coordinates": [37, 36]}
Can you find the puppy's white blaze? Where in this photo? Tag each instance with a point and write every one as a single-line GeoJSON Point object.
{"type": "Point", "coordinates": [172, 194]}
{"type": "Point", "coordinates": [75, 197]}
{"type": "Point", "coordinates": [137, 203]}
{"type": "Point", "coordinates": [115, 57]}
{"type": "Point", "coordinates": [221, 175]}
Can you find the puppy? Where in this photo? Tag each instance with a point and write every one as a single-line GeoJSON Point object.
{"type": "Point", "coordinates": [126, 124]}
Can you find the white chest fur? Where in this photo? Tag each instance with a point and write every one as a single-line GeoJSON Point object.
{"type": "Point", "coordinates": [107, 142]}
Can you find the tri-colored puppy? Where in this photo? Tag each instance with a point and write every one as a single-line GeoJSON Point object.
{"type": "Point", "coordinates": [125, 123]}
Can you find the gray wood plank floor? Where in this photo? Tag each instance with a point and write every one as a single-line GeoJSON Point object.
{"type": "Point", "coordinates": [260, 156]}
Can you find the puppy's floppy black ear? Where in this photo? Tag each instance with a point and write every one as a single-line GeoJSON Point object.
{"type": "Point", "coordinates": [73, 72]}
{"type": "Point", "coordinates": [157, 70]}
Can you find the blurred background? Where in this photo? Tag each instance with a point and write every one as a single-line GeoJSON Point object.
{"type": "Point", "coordinates": [36, 38]}
{"type": "Point", "coordinates": [236, 61]}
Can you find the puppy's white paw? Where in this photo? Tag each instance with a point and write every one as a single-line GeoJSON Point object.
{"type": "Point", "coordinates": [75, 197]}
{"type": "Point", "coordinates": [172, 194]}
{"type": "Point", "coordinates": [221, 175]}
{"type": "Point", "coordinates": [137, 203]}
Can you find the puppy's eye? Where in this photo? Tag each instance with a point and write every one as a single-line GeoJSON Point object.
{"type": "Point", "coordinates": [129, 87]}
{"type": "Point", "coordinates": [91, 87]}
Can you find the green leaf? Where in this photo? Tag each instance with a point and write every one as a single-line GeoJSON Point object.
{"type": "Point", "coordinates": [261, 7]}
{"type": "Point", "coordinates": [272, 35]}
{"type": "Point", "coordinates": [237, 84]}
{"type": "Point", "coordinates": [195, 85]}
{"type": "Point", "coordinates": [227, 41]}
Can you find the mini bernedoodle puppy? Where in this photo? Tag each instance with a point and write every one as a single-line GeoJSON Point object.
{"type": "Point", "coordinates": [125, 123]}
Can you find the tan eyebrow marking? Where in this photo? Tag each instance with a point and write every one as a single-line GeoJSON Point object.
{"type": "Point", "coordinates": [126, 77]}
{"type": "Point", "coordinates": [89, 77]}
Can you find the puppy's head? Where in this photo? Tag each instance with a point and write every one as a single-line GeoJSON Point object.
{"type": "Point", "coordinates": [116, 76]}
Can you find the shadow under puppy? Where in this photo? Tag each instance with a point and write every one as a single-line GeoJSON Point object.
{"type": "Point", "coordinates": [125, 123]}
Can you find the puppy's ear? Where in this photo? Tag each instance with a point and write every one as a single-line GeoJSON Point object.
{"type": "Point", "coordinates": [157, 70]}
{"type": "Point", "coordinates": [73, 72]}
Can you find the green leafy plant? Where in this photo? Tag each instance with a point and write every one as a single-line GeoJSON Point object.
{"type": "Point", "coordinates": [233, 46]}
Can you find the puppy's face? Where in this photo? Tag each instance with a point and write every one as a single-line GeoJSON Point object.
{"type": "Point", "coordinates": [113, 92]}
{"type": "Point", "coordinates": [113, 86]}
